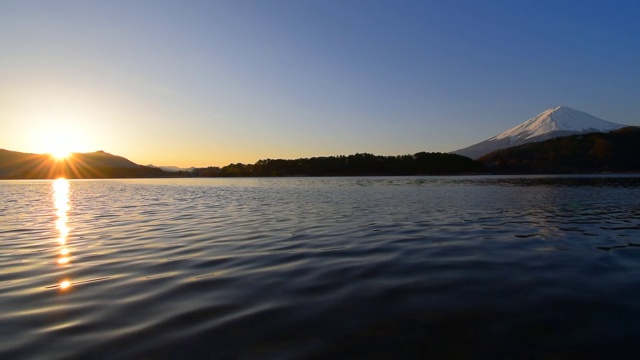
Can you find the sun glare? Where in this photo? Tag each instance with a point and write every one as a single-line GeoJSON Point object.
{"type": "Point", "coordinates": [59, 143]}
{"type": "Point", "coordinates": [60, 153]}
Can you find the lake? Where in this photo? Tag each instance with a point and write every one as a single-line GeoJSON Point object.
{"type": "Point", "coordinates": [533, 267]}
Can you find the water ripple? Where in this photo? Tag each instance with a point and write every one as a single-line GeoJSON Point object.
{"type": "Point", "coordinates": [467, 267]}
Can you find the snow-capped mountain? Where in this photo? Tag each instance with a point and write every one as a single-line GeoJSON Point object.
{"type": "Point", "coordinates": [554, 122]}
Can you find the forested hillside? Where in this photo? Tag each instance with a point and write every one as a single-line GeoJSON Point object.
{"type": "Point", "coordinates": [616, 151]}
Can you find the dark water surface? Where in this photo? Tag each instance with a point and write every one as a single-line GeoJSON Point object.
{"type": "Point", "coordinates": [453, 267]}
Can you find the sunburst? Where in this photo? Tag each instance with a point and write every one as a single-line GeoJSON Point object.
{"type": "Point", "coordinates": [60, 153]}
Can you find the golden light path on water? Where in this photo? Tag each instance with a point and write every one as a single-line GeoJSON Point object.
{"type": "Point", "coordinates": [61, 203]}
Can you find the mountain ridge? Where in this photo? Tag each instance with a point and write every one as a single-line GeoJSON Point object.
{"type": "Point", "coordinates": [171, 168]}
{"type": "Point", "coordinates": [551, 123]}
{"type": "Point", "coordinates": [98, 164]}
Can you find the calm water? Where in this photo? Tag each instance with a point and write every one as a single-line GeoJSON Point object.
{"type": "Point", "coordinates": [455, 267]}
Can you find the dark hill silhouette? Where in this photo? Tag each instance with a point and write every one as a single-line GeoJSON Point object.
{"type": "Point", "coordinates": [615, 151]}
{"type": "Point", "coordinates": [104, 159]}
{"type": "Point", "coordinates": [13, 163]}
{"type": "Point", "coordinates": [99, 164]}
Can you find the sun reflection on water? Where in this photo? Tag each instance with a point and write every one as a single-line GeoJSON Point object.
{"type": "Point", "coordinates": [61, 203]}
{"type": "Point", "coordinates": [65, 284]}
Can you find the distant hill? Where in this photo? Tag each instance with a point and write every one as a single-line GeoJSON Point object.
{"type": "Point", "coordinates": [99, 164]}
{"type": "Point", "coordinates": [615, 151]}
{"type": "Point", "coordinates": [171, 168]}
{"type": "Point", "coordinates": [552, 123]}
{"type": "Point", "coordinates": [103, 159]}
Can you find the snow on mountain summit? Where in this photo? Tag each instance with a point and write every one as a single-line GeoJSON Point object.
{"type": "Point", "coordinates": [560, 118]}
{"type": "Point", "coordinates": [554, 122]}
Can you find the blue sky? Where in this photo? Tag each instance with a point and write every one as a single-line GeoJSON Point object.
{"type": "Point", "coordinates": [212, 82]}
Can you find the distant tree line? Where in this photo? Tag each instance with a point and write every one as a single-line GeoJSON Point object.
{"type": "Point", "coordinates": [421, 163]}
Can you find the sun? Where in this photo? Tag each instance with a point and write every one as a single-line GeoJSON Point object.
{"type": "Point", "coordinates": [60, 152]}
{"type": "Point", "coordinates": [59, 136]}
{"type": "Point", "coordinates": [59, 144]}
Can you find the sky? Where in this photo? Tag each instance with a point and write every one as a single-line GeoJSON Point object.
{"type": "Point", "coordinates": [208, 83]}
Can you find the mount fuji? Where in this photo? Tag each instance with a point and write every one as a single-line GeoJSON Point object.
{"type": "Point", "coordinates": [554, 122]}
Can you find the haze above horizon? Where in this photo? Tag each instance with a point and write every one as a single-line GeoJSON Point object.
{"type": "Point", "coordinates": [201, 83]}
